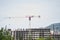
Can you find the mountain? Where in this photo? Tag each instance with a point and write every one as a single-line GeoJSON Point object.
{"type": "Point", "coordinates": [55, 26]}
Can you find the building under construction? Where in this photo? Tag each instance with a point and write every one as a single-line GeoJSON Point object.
{"type": "Point", "coordinates": [34, 34]}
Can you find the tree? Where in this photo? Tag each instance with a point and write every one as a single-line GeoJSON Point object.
{"type": "Point", "coordinates": [4, 35]}
{"type": "Point", "coordinates": [49, 38]}
{"type": "Point", "coordinates": [40, 38]}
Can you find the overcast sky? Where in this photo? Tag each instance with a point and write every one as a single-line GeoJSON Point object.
{"type": "Point", "coordinates": [49, 10]}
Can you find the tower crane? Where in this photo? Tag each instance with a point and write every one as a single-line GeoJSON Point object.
{"type": "Point", "coordinates": [29, 18]}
